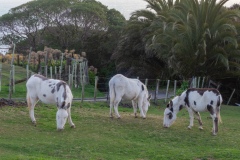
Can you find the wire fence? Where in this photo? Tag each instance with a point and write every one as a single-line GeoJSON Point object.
{"type": "Point", "coordinates": [92, 88]}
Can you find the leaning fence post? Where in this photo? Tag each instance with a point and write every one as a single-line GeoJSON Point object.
{"type": "Point", "coordinates": [13, 78]}
{"type": "Point", "coordinates": [95, 88]}
{"type": "Point", "coordinates": [175, 87]}
{"type": "Point", "coordinates": [146, 82]}
{"type": "Point", "coordinates": [203, 82]}
{"type": "Point", "coordinates": [156, 91]}
{"type": "Point", "coordinates": [231, 97]}
{"type": "Point", "coordinates": [167, 91]}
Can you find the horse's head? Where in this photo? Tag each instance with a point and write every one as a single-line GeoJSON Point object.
{"type": "Point", "coordinates": [146, 103]}
{"type": "Point", "coordinates": [170, 113]}
{"type": "Point", "coordinates": [61, 118]}
{"type": "Point", "coordinates": [64, 100]}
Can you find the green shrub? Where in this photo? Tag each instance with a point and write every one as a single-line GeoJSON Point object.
{"type": "Point", "coordinates": [183, 87]}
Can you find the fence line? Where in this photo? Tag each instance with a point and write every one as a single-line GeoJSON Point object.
{"type": "Point", "coordinates": [159, 89]}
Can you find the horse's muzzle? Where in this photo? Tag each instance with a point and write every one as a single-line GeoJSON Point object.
{"type": "Point", "coordinates": [60, 129]}
{"type": "Point", "coordinates": [165, 126]}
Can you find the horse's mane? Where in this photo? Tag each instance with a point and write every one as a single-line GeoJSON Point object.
{"type": "Point", "coordinates": [64, 84]}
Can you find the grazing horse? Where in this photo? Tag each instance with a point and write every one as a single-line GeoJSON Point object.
{"type": "Point", "coordinates": [121, 87]}
{"type": "Point", "coordinates": [196, 100]}
{"type": "Point", "coordinates": [50, 91]}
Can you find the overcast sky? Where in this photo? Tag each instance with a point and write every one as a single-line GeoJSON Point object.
{"type": "Point", "coordinates": [126, 7]}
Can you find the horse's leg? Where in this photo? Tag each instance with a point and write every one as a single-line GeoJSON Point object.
{"type": "Point", "coordinates": [191, 116]}
{"type": "Point", "coordinates": [111, 107]}
{"type": "Point", "coordinates": [214, 118]}
{"type": "Point", "coordinates": [199, 120]}
{"type": "Point", "coordinates": [31, 104]}
{"type": "Point", "coordinates": [140, 104]}
{"type": "Point", "coordinates": [70, 118]}
{"type": "Point", "coordinates": [134, 104]}
{"type": "Point", "coordinates": [215, 124]}
{"type": "Point", "coordinates": [116, 103]}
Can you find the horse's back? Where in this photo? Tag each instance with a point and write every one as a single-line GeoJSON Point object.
{"type": "Point", "coordinates": [124, 87]}
{"type": "Point", "coordinates": [41, 88]}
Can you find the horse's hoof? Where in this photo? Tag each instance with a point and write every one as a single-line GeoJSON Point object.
{"type": "Point", "coordinates": [189, 127]}
{"type": "Point", "coordinates": [59, 130]}
{"type": "Point", "coordinates": [214, 134]}
{"type": "Point", "coordinates": [201, 128]}
{"type": "Point", "coordinates": [119, 117]}
{"type": "Point", "coordinates": [73, 126]}
{"type": "Point", "coordinates": [34, 123]}
{"type": "Point", "coordinates": [144, 117]}
{"type": "Point", "coordinates": [135, 117]}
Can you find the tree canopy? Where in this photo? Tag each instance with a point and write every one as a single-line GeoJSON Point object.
{"type": "Point", "coordinates": [187, 37]}
{"type": "Point", "coordinates": [170, 38]}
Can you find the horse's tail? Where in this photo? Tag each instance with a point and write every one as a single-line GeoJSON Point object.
{"type": "Point", "coordinates": [218, 112]}
{"type": "Point", "coordinates": [112, 92]}
{"type": "Point", "coordinates": [219, 117]}
{"type": "Point", "coordinates": [28, 101]}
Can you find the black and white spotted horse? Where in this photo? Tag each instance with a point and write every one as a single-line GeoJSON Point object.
{"type": "Point", "coordinates": [50, 91]}
{"type": "Point", "coordinates": [195, 100]}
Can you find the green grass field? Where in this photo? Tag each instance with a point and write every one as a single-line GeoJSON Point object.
{"type": "Point", "coordinates": [98, 137]}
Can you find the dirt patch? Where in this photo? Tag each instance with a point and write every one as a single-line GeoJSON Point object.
{"type": "Point", "coordinates": [10, 102]}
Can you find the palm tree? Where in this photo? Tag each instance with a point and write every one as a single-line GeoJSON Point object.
{"type": "Point", "coordinates": [133, 54]}
{"type": "Point", "coordinates": [199, 37]}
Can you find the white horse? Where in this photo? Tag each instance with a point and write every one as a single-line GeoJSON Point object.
{"type": "Point", "coordinates": [121, 87]}
{"type": "Point", "coordinates": [50, 91]}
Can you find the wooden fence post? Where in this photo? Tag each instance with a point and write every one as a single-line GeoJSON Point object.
{"type": "Point", "coordinates": [86, 72]}
{"type": "Point", "coordinates": [83, 88]}
{"type": "Point", "coordinates": [156, 91]}
{"type": "Point", "coordinates": [60, 72]}
{"type": "Point", "coordinates": [50, 71]}
{"type": "Point", "coordinates": [80, 72]}
{"type": "Point", "coordinates": [46, 70]}
{"type": "Point", "coordinates": [13, 55]}
{"type": "Point", "coordinates": [167, 91]}
{"type": "Point", "coordinates": [203, 82]}
{"type": "Point", "coordinates": [13, 78]}
{"type": "Point", "coordinates": [175, 88]}
{"type": "Point", "coordinates": [29, 55]}
{"type": "Point", "coordinates": [18, 59]}
{"type": "Point", "coordinates": [146, 82]}
{"type": "Point", "coordinates": [230, 97]}
{"type": "Point", "coordinates": [10, 85]}
{"type": "Point", "coordinates": [55, 71]}
{"type": "Point", "coordinates": [11, 74]}
{"type": "Point", "coordinates": [95, 88]}
{"type": "Point", "coordinates": [27, 69]}
{"type": "Point", "coordinates": [198, 84]}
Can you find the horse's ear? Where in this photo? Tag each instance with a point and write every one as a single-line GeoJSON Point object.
{"type": "Point", "coordinates": [170, 104]}
{"type": "Point", "coordinates": [149, 97]}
